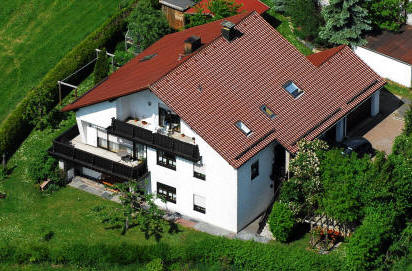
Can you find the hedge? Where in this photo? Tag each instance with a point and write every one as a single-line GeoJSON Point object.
{"type": "Point", "coordinates": [207, 250]}
{"type": "Point", "coordinates": [19, 123]}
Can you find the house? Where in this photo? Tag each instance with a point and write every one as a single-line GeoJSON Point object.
{"type": "Point", "coordinates": [175, 10]}
{"type": "Point", "coordinates": [390, 55]}
{"type": "Point", "coordinates": [210, 116]}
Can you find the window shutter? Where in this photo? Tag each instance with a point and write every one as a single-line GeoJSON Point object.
{"type": "Point", "coordinates": [199, 201]}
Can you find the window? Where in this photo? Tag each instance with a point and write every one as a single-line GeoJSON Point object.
{"type": "Point", "coordinates": [199, 204]}
{"type": "Point", "coordinates": [167, 192]}
{"type": "Point", "coordinates": [254, 170]}
{"type": "Point", "coordinates": [102, 143]}
{"type": "Point", "coordinates": [267, 111]}
{"type": "Point", "coordinates": [243, 128]}
{"type": "Point", "coordinates": [199, 170]}
{"type": "Point", "coordinates": [294, 90]}
{"type": "Point", "coordinates": [166, 159]}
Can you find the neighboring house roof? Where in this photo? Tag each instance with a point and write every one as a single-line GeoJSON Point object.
{"type": "Point", "coordinates": [181, 5]}
{"type": "Point", "coordinates": [246, 6]}
{"type": "Point", "coordinates": [396, 45]}
{"type": "Point", "coordinates": [224, 82]}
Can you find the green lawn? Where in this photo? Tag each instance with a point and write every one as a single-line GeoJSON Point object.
{"type": "Point", "coordinates": [399, 90]}
{"type": "Point", "coordinates": [36, 34]}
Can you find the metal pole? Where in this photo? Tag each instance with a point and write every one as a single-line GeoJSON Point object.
{"type": "Point", "coordinates": [60, 94]}
{"type": "Point", "coordinates": [4, 161]}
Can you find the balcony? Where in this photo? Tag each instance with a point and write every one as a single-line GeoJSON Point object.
{"type": "Point", "coordinates": [174, 143]}
{"type": "Point", "coordinates": [69, 147]}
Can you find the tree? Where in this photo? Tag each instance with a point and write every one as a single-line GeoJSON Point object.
{"type": "Point", "coordinates": [305, 17]}
{"type": "Point", "coordinates": [146, 25]}
{"type": "Point", "coordinates": [280, 5]}
{"type": "Point", "coordinates": [101, 69]}
{"type": "Point", "coordinates": [388, 14]}
{"type": "Point", "coordinates": [219, 9]}
{"type": "Point", "coordinates": [137, 209]}
{"type": "Point", "coordinates": [305, 168]}
{"type": "Point", "coordinates": [346, 22]}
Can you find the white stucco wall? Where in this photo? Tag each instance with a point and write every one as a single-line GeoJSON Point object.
{"type": "Point", "coordinates": [254, 196]}
{"type": "Point", "coordinates": [219, 188]}
{"type": "Point", "coordinates": [386, 67]}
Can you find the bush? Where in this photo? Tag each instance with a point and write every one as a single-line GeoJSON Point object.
{"type": "Point", "coordinates": [154, 265]}
{"type": "Point", "coordinates": [122, 57]}
{"type": "Point", "coordinates": [41, 166]}
{"type": "Point", "coordinates": [18, 124]}
{"type": "Point", "coordinates": [366, 248]}
{"type": "Point", "coordinates": [281, 222]}
{"type": "Point", "coordinates": [408, 122]}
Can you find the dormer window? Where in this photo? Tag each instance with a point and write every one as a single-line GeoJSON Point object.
{"type": "Point", "coordinates": [267, 112]}
{"type": "Point", "coordinates": [243, 128]}
{"type": "Point", "coordinates": [293, 89]}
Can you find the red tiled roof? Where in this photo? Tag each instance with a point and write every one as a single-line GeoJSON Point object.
{"type": "Point", "coordinates": [240, 76]}
{"type": "Point", "coordinates": [137, 75]}
{"type": "Point", "coordinates": [396, 45]}
{"type": "Point", "coordinates": [321, 57]}
{"type": "Point", "coordinates": [246, 6]}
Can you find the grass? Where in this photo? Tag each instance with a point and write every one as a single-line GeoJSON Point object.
{"type": "Point", "coordinates": [36, 34]}
{"type": "Point", "coordinates": [399, 90]}
{"type": "Point", "coordinates": [281, 23]}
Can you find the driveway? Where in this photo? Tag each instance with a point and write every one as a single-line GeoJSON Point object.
{"type": "Point", "coordinates": [388, 124]}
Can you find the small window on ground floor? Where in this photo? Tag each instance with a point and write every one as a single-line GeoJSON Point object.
{"type": "Point", "coordinates": [199, 204]}
{"type": "Point", "coordinates": [254, 170]}
{"type": "Point", "coordinates": [167, 192]}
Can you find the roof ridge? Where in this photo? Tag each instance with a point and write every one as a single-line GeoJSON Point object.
{"type": "Point", "coordinates": [201, 49]}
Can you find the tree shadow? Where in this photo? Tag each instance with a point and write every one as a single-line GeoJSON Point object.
{"type": "Point", "coordinates": [299, 231]}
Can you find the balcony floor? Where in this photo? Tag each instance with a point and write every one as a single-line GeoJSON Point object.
{"type": "Point", "coordinates": [151, 127]}
{"type": "Point", "coordinates": [78, 144]}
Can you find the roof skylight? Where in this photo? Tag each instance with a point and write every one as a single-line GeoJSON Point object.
{"type": "Point", "coordinates": [267, 111]}
{"type": "Point", "coordinates": [243, 128]}
{"type": "Point", "coordinates": [293, 89]}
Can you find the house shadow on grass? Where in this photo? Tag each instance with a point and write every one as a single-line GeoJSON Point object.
{"type": "Point", "coordinates": [271, 20]}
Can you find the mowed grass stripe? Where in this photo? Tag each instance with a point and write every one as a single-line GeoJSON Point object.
{"type": "Point", "coordinates": [36, 34]}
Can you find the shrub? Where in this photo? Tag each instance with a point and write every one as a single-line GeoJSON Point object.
{"type": "Point", "coordinates": [366, 248]}
{"type": "Point", "coordinates": [281, 222]}
{"type": "Point", "coordinates": [408, 122]}
{"type": "Point", "coordinates": [402, 145]}
{"type": "Point", "coordinates": [219, 8]}
{"type": "Point", "coordinates": [41, 166]}
{"type": "Point", "coordinates": [154, 265]}
{"type": "Point", "coordinates": [101, 69]}
{"type": "Point", "coordinates": [122, 57]}
{"type": "Point", "coordinates": [280, 5]}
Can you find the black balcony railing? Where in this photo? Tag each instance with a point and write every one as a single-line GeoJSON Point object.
{"type": "Point", "coordinates": [155, 140]}
{"type": "Point", "coordinates": [62, 149]}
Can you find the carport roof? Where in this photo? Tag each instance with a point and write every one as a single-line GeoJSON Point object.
{"type": "Point", "coordinates": [396, 45]}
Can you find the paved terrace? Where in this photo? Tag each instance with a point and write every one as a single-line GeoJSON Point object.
{"type": "Point", "coordinates": [78, 144]}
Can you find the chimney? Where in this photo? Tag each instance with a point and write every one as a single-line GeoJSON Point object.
{"type": "Point", "coordinates": [228, 30]}
{"type": "Point", "coordinates": [192, 44]}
